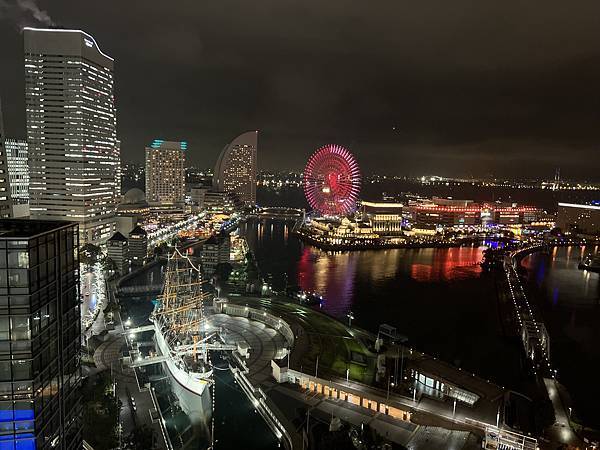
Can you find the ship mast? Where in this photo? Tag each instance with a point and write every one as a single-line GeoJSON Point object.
{"type": "Point", "coordinates": [180, 309]}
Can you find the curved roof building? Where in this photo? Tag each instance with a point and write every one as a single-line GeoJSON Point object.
{"type": "Point", "coordinates": [235, 172]}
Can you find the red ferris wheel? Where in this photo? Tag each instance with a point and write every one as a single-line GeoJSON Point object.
{"type": "Point", "coordinates": [332, 181]}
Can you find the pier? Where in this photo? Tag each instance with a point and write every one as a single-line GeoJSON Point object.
{"type": "Point", "coordinates": [534, 335]}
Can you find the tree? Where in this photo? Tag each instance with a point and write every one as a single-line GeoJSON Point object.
{"type": "Point", "coordinates": [109, 265]}
{"type": "Point", "coordinates": [223, 271]}
{"type": "Point", "coordinates": [100, 413]}
{"type": "Point", "coordinates": [141, 438]}
{"type": "Point", "coordinates": [89, 253]}
{"type": "Point", "coordinates": [160, 249]}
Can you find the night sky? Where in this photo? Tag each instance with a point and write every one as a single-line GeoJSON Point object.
{"type": "Point", "coordinates": [457, 88]}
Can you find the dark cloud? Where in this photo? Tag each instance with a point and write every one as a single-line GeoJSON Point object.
{"type": "Point", "coordinates": [24, 12]}
{"type": "Point", "coordinates": [471, 88]}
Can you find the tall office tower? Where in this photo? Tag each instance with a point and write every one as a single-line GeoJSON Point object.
{"type": "Point", "coordinates": [235, 172]}
{"type": "Point", "coordinates": [18, 176]}
{"type": "Point", "coordinates": [5, 200]}
{"type": "Point", "coordinates": [71, 131]}
{"type": "Point", "coordinates": [40, 335]}
{"type": "Point", "coordinates": [165, 173]}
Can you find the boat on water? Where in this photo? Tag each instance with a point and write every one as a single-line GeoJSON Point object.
{"type": "Point", "coordinates": [590, 262]}
{"type": "Point", "coordinates": [305, 297]}
{"type": "Point", "coordinates": [178, 319]}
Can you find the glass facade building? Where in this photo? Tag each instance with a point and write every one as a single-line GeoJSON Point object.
{"type": "Point", "coordinates": [235, 172]}
{"type": "Point", "coordinates": [71, 131]}
{"type": "Point", "coordinates": [40, 335]}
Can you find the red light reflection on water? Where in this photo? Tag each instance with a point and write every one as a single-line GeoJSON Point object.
{"type": "Point", "coordinates": [447, 264]}
{"type": "Point", "coordinates": [336, 275]}
{"type": "Point", "coordinates": [306, 270]}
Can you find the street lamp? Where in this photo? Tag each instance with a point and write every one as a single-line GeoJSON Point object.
{"type": "Point", "coordinates": [350, 316]}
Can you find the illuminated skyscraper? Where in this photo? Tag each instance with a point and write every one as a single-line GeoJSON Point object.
{"type": "Point", "coordinates": [165, 173]}
{"type": "Point", "coordinates": [5, 200]}
{"type": "Point", "coordinates": [71, 131]}
{"type": "Point", "coordinates": [235, 172]}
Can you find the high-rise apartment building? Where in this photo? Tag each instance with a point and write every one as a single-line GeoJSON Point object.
{"type": "Point", "coordinates": [40, 335]}
{"type": "Point", "coordinates": [235, 172]}
{"type": "Point", "coordinates": [71, 131]}
{"type": "Point", "coordinates": [18, 174]}
{"type": "Point", "coordinates": [165, 173]}
{"type": "Point", "coordinates": [5, 200]}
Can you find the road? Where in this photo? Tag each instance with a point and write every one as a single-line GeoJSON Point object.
{"type": "Point", "coordinates": [93, 291]}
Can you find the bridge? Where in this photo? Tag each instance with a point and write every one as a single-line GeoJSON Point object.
{"type": "Point", "coordinates": [147, 361]}
{"type": "Point", "coordinates": [140, 289]}
{"type": "Point", "coordinates": [191, 349]}
{"type": "Point", "coordinates": [279, 212]}
{"type": "Point", "coordinates": [139, 329]}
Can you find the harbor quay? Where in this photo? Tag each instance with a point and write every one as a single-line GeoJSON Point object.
{"type": "Point", "coordinates": [313, 368]}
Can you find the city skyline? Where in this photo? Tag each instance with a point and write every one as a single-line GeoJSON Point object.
{"type": "Point", "coordinates": [409, 259]}
{"type": "Point", "coordinates": [495, 103]}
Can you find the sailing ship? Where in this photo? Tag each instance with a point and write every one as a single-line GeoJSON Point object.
{"type": "Point", "coordinates": [178, 319]}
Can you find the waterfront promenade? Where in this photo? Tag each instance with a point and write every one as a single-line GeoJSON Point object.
{"type": "Point", "coordinates": [330, 359]}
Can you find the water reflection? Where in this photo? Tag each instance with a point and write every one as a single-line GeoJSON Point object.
{"type": "Point", "coordinates": [439, 298]}
{"type": "Point", "coordinates": [558, 276]}
{"type": "Point", "coordinates": [335, 275]}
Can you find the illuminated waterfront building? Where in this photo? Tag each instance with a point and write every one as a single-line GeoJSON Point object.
{"type": "Point", "coordinates": [220, 202]}
{"type": "Point", "coordinates": [579, 218]}
{"type": "Point", "coordinates": [235, 171]}
{"type": "Point", "coordinates": [385, 217]}
{"type": "Point", "coordinates": [466, 213]}
{"type": "Point", "coordinates": [71, 131]}
{"type": "Point", "coordinates": [40, 335]}
{"type": "Point", "coordinates": [5, 200]}
{"type": "Point", "coordinates": [389, 218]}
{"type": "Point", "coordinates": [165, 173]}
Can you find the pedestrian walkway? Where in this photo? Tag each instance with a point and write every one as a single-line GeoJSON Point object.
{"type": "Point", "coordinates": [109, 352]}
{"type": "Point", "coordinates": [561, 431]}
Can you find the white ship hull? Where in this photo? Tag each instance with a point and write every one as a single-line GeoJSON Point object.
{"type": "Point", "coordinates": [190, 388]}
{"type": "Point", "coordinates": [195, 383]}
